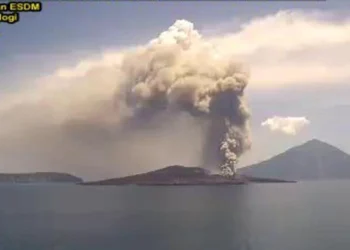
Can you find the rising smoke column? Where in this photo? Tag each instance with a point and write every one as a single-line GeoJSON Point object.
{"type": "Point", "coordinates": [180, 72]}
{"type": "Point", "coordinates": [176, 99]}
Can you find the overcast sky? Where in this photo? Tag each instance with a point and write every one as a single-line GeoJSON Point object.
{"type": "Point", "coordinates": [298, 54]}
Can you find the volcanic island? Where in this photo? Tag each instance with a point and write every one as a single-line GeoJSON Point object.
{"type": "Point", "coordinates": [183, 176]}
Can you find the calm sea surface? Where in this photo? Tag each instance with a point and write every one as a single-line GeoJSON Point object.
{"type": "Point", "coordinates": [306, 215]}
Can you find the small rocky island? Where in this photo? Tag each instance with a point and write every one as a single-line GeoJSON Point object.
{"type": "Point", "coordinates": [39, 177]}
{"type": "Point", "coordinates": [180, 175]}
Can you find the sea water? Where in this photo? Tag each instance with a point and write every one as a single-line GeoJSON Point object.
{"type": "Point", "coordinates": [304, 215]}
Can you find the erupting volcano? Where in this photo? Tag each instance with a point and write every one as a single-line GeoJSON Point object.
{"type": "Point", "coordinates": [180, 72]}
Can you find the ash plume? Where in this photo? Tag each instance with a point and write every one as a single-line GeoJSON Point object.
{"type": "Point", "coordinates": [178, 99]}
{"type": "Point", "coordinates": [180, 72]}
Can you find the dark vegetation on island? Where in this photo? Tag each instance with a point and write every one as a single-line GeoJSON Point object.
{"type": "Point", "coordinates": [180, 175]}
{"type": "Point", "coordinates": [39, 177]}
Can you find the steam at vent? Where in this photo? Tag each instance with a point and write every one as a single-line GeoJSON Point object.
{"type": "Point", "coordinates": [179, 72]}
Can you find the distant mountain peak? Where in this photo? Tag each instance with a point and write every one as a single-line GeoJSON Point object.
{"type": "Point", "coordinates": [315, 145]}
{"type": "Point", "coordinates": [316, 142]}
{"type": "Point", "coordinates": [314, 159]}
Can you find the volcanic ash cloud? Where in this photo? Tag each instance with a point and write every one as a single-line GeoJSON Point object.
{"type": "Point", "coordinates": [177, 99]}
{"type": "Point", "coordinates": [179, 71]}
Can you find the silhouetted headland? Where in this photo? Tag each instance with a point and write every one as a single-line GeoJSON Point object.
{"type": "Point", "coordinates": [39, 177]}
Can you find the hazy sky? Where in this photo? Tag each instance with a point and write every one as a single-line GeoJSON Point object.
{"type": "Point", "coordinates": [298, 54]}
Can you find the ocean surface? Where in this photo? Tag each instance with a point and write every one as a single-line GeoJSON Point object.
{"type": "Point", "coordinates": [305, 215]}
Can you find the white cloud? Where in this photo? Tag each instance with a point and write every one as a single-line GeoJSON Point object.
{"type": "Point", "coordinates": [286, 125]}
{"type": "Point", "coordinates": [283, 49]}
{"type": "Point", "coordinates": [292, 48]}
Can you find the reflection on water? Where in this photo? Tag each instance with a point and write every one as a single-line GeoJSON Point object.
{"type": "Point", "coordinates": [306, 215]}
